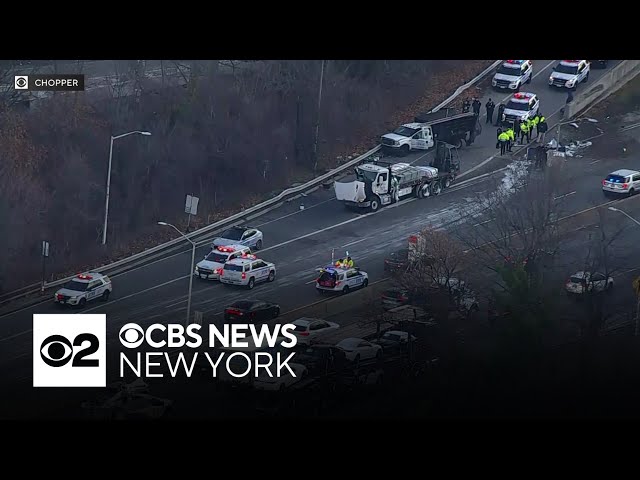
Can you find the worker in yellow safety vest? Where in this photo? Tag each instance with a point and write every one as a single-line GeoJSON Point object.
{"type": "Point", "coordinates": [512, 139]}
{"type": "Point", "coordinates": [524, 131]}
{"type": "Point", "coordinates": [503, 138]}
{"type": "Point", "coordinates": [534, 124]}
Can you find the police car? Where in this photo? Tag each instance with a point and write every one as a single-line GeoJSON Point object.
{"type": "Point", "coordinates": [211, 266]}
{"type": "Point", "coordinates": [522, 106]}
{"type": "Point", "coordinates": [340, 279]}
{"type": "Point", "coordinates": [512, 74]}
{"type": "Point", "coordinates": [622, 182]}
{"type": "Point", "coordinates": [246, 271]}
{"type": "Point", "coordinates": [569, 73]}
{"type": "Point", "coordinates": [83, 288]}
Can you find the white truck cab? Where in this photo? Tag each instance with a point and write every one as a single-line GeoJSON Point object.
{"type": "Point", "coordinates": [512, 74]}
{"type": "Point", "coordinates": [521, 106]}
{"type": "Point", "coordinates": [410, 136]}
{"type": "Point", "coordinates": [246, 271]}
{"type": "Point", "coordinates": [569, 73]}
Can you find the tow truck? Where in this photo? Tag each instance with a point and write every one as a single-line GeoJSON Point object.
{"type": "Point", "coordinates": [427, 129]}
{"type": "Point", "coordinates": [382, 183]}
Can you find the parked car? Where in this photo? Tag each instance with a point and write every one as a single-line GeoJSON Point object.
{"type": "Point", "coordinates": [309, 330]}
{"type": "Point", "coordinates": [463, 297]}
{"type": "Point", "coordinates": [321, 358]}
{"type": "Point", "coordinates": [582, 282]}
{"type": "Point", "coordinates": [248, 236]}
{"type": "Point", "coordinates": [395, 341]}
{"type": "Point", "coordinates": [251, 311]}
{"type": "Point", "coordinates": [356, 349]}
{"type": "Point", "coordinates": [395, 297]}
{"type": "Point", "coordinates": [265, 382]}
{"type": "Point", "coordinates": [397, 261]}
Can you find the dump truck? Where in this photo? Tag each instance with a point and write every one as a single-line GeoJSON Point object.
{"type": "Point", "coordinates": [429, 128]}
{"type": "Point", "coordinates": [383, 183]}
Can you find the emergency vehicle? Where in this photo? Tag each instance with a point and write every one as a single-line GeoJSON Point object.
{"type": "Point", "coordinates": [522, 106]}
{"type": "Point", "coordinates": [621, 182]}
{"type": "Point", "coordinates": [247, 270]}
{"type": "Point", "coordinates": [83, 288]}
{"type": "Point", "coordinates": [512, 74]}
{"type": "Point", "coordinates": [340, 279]}
{"type": "Point", "coordinates": [210, 267]}
{"type": "Point", "coordinates": [569, 73]}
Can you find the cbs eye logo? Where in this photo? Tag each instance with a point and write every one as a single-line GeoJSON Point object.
{"type": "Point", "coordinates": [131, 335]}
{"type": "Point", "coordinates": [21, 82]}
{"type": "Point", "coordinates": [69, 350]}
{"type": "Point", "coordinates": [57, 351]}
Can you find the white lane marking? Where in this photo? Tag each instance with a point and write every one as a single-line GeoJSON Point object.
{"type": "Point", "coordinates": [15, 335]}
{"type": "Point", "coordinates": [309, 283]}
{"type": "Point", "coordinates": [295, 213]}
{"type": "Point", "coordinates": [595, 161]}
{"type": "Point", "coordinates": [111, 302]}
{"type": "Point", "coordinates": [354, 242]}
{"type": "Point", "coordinates": [483, 223]}
{"type": "Point", "coordinates": [176, 303]}
{"type": "Point", "coordinates": [565, 195]}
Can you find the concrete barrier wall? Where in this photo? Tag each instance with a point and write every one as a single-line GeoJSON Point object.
{"type": "Point", "coordinates": [609, 83]}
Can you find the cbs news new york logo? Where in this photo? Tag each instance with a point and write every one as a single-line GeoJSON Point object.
{"type": "Point", "coordinates": [69, 350]}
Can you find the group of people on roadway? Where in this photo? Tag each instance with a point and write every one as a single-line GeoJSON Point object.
{"type": "Point", "coordinates": [523, 129]}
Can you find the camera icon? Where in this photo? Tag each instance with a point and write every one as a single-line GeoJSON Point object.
{"type": "Point", "coordinates": [21, 82]}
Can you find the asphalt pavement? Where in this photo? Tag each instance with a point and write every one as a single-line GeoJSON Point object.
{"type": "Point", "coordinates": [298, 241]}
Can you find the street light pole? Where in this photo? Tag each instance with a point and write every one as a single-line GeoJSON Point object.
{"type": "Point", "coordinates": [193, 259]}
{"type": "Point", "coordinates": [315, 141]}
{"type": "Point", "coordinates": [106, 201]}
{"type": "Point", "coordinates": [637, 319]}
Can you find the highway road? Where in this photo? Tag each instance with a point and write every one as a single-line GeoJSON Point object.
{"type": "Point", "coordinates": [298, 241]}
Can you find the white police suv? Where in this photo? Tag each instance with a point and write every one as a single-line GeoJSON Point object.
{"type": "Point", "coordinates": [521, 106]}
{"type": "Point", "coordinates": [512, 74]}
{"type": "Point", "coordinates": [621, 182]}
{"type": "Point", "coordinates": [211, 267]}
{"type": "Point", "coordinates": [569, 73]}
{"type": "Point", "coordinates": [339, 279]}
{"type": "Point", "coordinates": [83, 288]}
{"type": "Point", "coordinates": [246, 271]}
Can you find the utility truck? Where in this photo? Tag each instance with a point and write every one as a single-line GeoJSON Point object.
{"type": "Point", "coordinates": [429, 128]}
{"type": "Point", "coordinates": [382, 183]}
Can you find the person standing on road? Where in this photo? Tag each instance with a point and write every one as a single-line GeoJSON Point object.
{"type": "Point", "coordinates": [476, 106]}
{"type": "Point", "coordinates": [569, 97]}
{"type": "Point", "coordinates": [512, 139]}
{"type": "Point", "coordinates": [502, 140]}
{"type": "Point", "coordinates": [524, 132]}
{"type": "Point", "coordinates": [500, 116]}
{"type": "Point", "coordinates": [490, 106]}
{"type": "Point", "coordinates": [542, 127]}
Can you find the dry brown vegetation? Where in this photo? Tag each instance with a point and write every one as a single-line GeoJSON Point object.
{"type": "Point", "coordinates": [229, 138]}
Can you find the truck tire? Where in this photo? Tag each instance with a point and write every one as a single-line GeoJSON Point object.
{"type": "Point", "coordinates": [447, 182]}
{"type": "Point", "coordinates": [458, 143]}
{"type": "Point", "coordinates": [436, 189]}
{"type": "Point", "coordinates": [375, 204]}
{"type": "Point", "coordinates": [423, 190]}
{"type": "Point", "coordinates": [404, 150]}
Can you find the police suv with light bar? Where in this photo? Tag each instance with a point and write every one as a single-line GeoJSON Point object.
{"type": "Point", "coordinates": [211, 266]}
{"type": "Point", "coordinates": [83, 288]}
{"type": "Point", "coordinates": [246, 271]}
{"type": "Point", "coordinates": [522, 106]}
{"type": "Point", "coordinates": [512, 74]}
{"type": "Point", "coordinates": [569, 73]}
{"type": "Point", "coordinates": [339, 279]}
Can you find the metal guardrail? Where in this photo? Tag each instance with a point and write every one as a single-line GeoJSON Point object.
{"type": "Point", "coordinates": [10, 296]}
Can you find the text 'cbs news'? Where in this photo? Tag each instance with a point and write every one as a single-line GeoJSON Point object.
{"type": "Point", "coordinates": [71, 350]}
